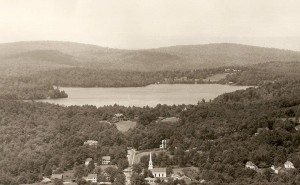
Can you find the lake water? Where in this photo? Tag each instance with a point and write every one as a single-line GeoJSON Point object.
{"type": "Point", "coordinates": [151, 95]}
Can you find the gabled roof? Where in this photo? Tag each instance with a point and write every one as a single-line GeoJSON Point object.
{"type": "Point", "coordinates": [92, 175]}
{"type": "Point", "coordinates": [45, 180]}
{"type": "Point", "coordinates": [88, 159]}
{"type": "Point", "coordinates": [106, 157]}
{"type": "Point", "coordinates": [159, 170]}
{"type": "Point", "coordinates": [119, 115]}
{"type": "Point", "coordinates": [56, 176]}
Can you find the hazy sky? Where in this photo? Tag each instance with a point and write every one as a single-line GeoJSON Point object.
{"type": "Point", "coordinates": [153, 23]}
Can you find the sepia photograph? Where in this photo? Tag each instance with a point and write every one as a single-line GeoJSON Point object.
{"type": "Point", "coordinates": [149, 92]}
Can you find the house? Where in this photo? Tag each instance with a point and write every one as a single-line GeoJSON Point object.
{"type": "Point", "coordinates": [87, 161]}
{"type": "Point", "coordinates": [150, 180]}
{"type": "Point", "coordinates": [277, 170]}
{"type": "Point", "coordinates": [180, 177]}
{"type": "Point", "coordinates": [163, 144]}
{"type": "Point", "coordinates": [105, 183]}
{"type": "Point", "coordinates": [289, 165]}
{"type": "Point", "coordinates": [57, 176]}
{"type": "Point", "coordinates": [157, 172]}
{"type": "Point", "coordinates": [91, 177]}
{"type": "Point", "coordinates": [105, 159]}
{"type": "Point", "coordinates": [118, 117]}
{"type": "Point", "coordinates": [297, 127]}
{"type": "Point", "coordinates": [91, 143]}
{"type": "Point", "coordinates": [251, 165]}
{"type": "Point", "coordinates": [45, 180]}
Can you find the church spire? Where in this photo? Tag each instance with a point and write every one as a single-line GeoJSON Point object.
{"type": "Point", "coordinates": [150, 167]}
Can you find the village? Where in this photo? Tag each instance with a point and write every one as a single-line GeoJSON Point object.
{"type": "Point", "coordinates": [157, 173]}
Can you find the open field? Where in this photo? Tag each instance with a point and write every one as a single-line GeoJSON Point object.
{"type": "Point", "coordinates": [170, 119]}
{"type": "Point", "coordinates": [124, 126]}
{"type": "Point", "coordinates": [140, 154]}
{"type": "Point", "coordinates": [216, 77]}
{"type": "Point", "coordinates": [180, 170]}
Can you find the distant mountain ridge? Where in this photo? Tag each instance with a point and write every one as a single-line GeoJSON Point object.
{"type": "Point", "coordinates": [37, 55]}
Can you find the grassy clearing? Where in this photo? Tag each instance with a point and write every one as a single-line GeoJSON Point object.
{"type": "Point", "coordinates": [216, 77]}
{"type": "Point", "coordinates": [124, 126]}
{"type": "Point", "coordinates": [140, 154]}
{"type": "Point", "coordinates": [180, 170]}
{"type": "Point", "coordinates": [170, 120]}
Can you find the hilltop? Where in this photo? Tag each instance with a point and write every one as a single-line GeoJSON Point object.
{"type": "Point", "coordinates": [28, 57]}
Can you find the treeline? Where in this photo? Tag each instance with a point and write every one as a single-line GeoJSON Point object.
{"type": "Point", "coordinates": [217, 137]}
{"type": "Point", "coordinates": [260, 74]}
{"type": "Point", "coordinates": [221, 136]}
{"type": "Point", "coordinates": [40, 85]}
{"type": "Point", "coordinates": [39, 139]}
{"type": "Point", "coordinates": [20, 90]}
{"type": "Point", "coordinates": [87, 77]}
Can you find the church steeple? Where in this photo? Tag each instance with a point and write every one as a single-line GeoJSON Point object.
{"type": "Point", "coordinates": [150, 167]}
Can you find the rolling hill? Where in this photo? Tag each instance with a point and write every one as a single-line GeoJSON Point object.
{"type": "Point", "coordinates": [27, 57]}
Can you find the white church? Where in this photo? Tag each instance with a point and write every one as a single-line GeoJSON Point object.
{"type": "Point", "coordinates": [157, 172]}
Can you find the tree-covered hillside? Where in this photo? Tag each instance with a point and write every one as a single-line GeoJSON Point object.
{"type": "Point", "coordinates": [36, 56]}
{"type": "Point", "coordinates": [217, 137]}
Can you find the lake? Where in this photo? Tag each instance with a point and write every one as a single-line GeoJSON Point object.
{"type": "Point", "coordinates": [151, 95]}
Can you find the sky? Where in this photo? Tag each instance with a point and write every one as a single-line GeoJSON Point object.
{"type": "Point", "coordinates": [136, 24]}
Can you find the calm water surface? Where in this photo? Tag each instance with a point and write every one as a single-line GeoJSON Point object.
{"type": "Point", "coordinates": [141, 96]}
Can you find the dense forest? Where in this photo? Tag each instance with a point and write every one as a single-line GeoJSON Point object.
{"type": "Point", "coordinates": [216, 137]}
{"type": "Point", "coordinates": [37, 138]}
{"type": "Point", "coordinates": [40, 85]}
{"type": "Point", "coordinates": [219, 137]}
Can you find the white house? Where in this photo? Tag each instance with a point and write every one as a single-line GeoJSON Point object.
{"type": "Point", "coordinates": [57, 176]}
{"type": "Point", "coordinates": [251, 165]}
{"type": "Point", "coordinates": [163, 144]}
{"type": "Point", "coordinates": [118, 117]}
{"type": "Point", "coordinates": [276, 170]}
{"type": "Point", "coordinates": [91, 178]}
{"type": "Point", "coordinates": [105, 159]}
{"type": "Point", "coordinates": [87, 161]}
{"type": "Point", "coordinates": [45, 180]}
{"type": "Point", "coordinates": [91, 143]}
{"type": "Point", "coordinates": [150, 180]}
{"type": "Point", "coordinates": [289, 165]}
{"type": "Point", "coordinates": [157, 172]}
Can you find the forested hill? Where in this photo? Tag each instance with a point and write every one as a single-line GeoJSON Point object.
{"type": "Point", "coordinates": [217, 137]}
{"type": "Point", "coordinates": [28, 57]}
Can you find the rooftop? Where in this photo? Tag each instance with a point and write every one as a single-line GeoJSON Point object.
{"type": "Point", "coordinates": [159, 170]}
{"type": "Point", "coordinates": [106, 157]}
{"type": "Point", "coordinates": [56, 176]}
{"type": "Point", "coordinates": [92, 175]}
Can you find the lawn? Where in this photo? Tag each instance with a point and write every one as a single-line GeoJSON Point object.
{"type": "Point", "coordinates": [216, 77]}
{"type": "Point", "coordinates": [124, 126]}
{"type": "Point", "coordinates": [140, 154]}
{"type": "Point", "coordinates": [170, 120]}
